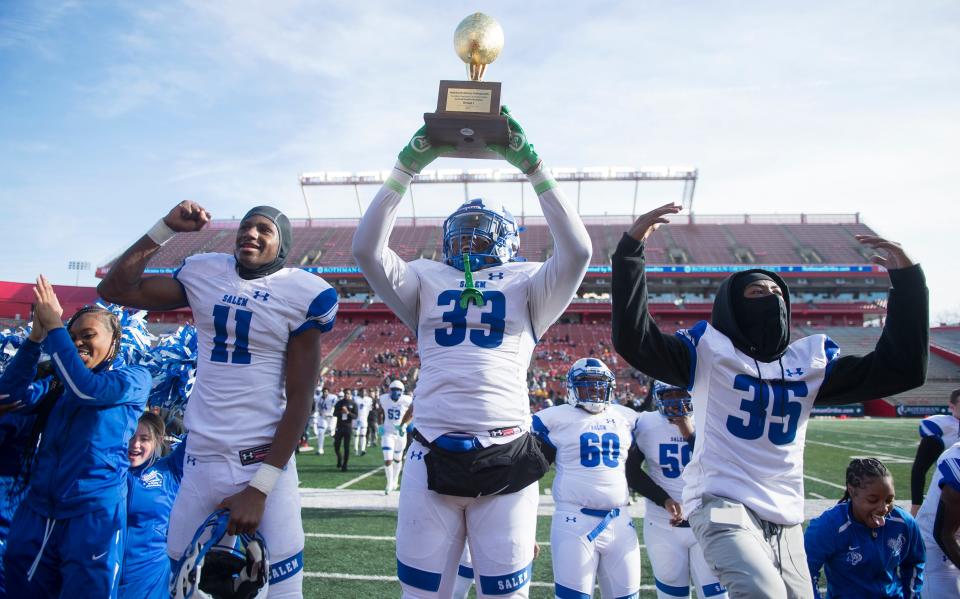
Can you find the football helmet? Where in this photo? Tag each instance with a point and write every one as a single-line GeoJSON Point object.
{"type": "Point", "coordinates": [489, 236]}
{"type": "Point", "coordinates": [671, 401]}
{"type": "Point", "coordinates": [590, 385]}
{"type": "Point", "coordinates": [396, 390]}
{"type": "Point", "coordinates": [215, 567]}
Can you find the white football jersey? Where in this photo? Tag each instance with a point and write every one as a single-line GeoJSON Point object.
{"type": "Point", "coordinates": [666, 455]}
{"type": "Point", "coordinates": [394, 411]}
{"type": "Point", "coordinates": [947, 473]}
{"type": "Point", "coordinates": [591, 453]}
{"type": "Point", "coordinates": [243, 328]}
{"type": "Point", "coordinates": [328, 404]}
{"type": "Point", "coordinates": [944, 426]}
{"type": "Point", "coordinates": [751, 429]}
{"type": "Point", "coordinates": [364, 405]}
{"type": "Point", "coordinates": [473, 360]}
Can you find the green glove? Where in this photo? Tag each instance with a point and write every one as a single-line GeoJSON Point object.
{"type": "Point", "coordinates": [419, 152]}
{"type": "Point", "coordinates": [401, 429]}
{"type": "Point", "coordinates": [519, 151]}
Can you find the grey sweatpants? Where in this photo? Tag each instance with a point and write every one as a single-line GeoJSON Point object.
{"type": "Point", "coordinates": [751, 557]}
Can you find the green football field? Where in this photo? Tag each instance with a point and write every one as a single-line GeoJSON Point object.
{"type": "Point", "coordinates": [350, 553]}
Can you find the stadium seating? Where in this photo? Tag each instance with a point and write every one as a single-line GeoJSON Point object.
{"type": "Point", "coordinates": [327, 243]}
{"type": "Point", "coordinates": [947, 338]}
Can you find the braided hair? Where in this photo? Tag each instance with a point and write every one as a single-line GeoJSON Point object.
{"type": "Point", "coordinates": [862, 470]}
{"type": "Point", "coordinates": [109, 320]}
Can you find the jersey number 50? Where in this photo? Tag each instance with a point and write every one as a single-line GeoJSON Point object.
{"type": "Point", "coordinates": [780, 433]}
{"type": "Point", "coordinates": [457, 318]}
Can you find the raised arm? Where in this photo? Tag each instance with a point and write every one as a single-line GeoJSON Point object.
{"type": "Point", "coordinates": [636, 336]}
{"type": "Point", "coordinates": [389, 276]}
{"type": "Point", "coordinates": [125, 284]}
{"type": "Point", "coordinates": [557, 281]}
{"type": "Point", "coordinates": [899, 361]}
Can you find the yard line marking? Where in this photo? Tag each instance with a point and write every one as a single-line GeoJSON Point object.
{"type": "Point", "coordinates": [817, 495]}
{"type": "Point", "coordinates": [824, 482]}
{"type": "Point", "coordinates": [886, 455]}
{"type": "Point", "coordinates": [332, 535]}
{"type": "Point", "coordinates": [381, 578]}
{"type": "Point", "coordinates": [360, 478]}
{"type": "Point", "coordinates": [885, 437]}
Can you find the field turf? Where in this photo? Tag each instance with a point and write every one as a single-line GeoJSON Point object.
{"type": "Point", "coordinates": [342, 567]}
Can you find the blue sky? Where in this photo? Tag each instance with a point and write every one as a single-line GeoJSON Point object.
{"type": "Point", "coordinates": [112, 112]}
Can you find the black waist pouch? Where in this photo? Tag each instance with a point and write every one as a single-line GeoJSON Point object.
{"type": "Point", "coordinates": [494, 470]}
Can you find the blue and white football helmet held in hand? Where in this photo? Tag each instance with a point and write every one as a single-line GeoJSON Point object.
{"type": "Point", "coordinates": [218, 566]}
{"type": "Point", "coordinates": [590, 385]}
{"type": "Point", "coordinates": [672, 401]}
{"type": "Point", "coordinates": [490, 237]}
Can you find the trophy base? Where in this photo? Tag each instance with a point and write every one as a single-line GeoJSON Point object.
{"type": "Point", "coordinates": [468, 133]}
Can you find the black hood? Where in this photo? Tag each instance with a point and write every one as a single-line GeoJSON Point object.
{"type": "Point", "coordinates": [280, 220]}
{"type": "Point", "coordinates": [724, 320]}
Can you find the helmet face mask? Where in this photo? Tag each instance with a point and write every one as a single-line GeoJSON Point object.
{"type": "Point", "coordinates": [489, 237]}
{"type": "Point", "coordinates": [672, 402]}
{"type": "Point", "coordinates": [396, 390]}
{"type": "Point", "coordinates": [214, 568]}
{"type": "Point", "coordinates": [590, 385]}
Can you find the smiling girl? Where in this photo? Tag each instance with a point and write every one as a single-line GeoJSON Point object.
{"type": "Point", "coordinates": [153, 484]}
{"type": "Point", "coordinates": [867, 546]}
{"type": "Point", "coordinates": [67, 534]}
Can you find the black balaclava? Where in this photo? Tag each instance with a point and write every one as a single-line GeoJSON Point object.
{"type": "Point", "coordinates": [286, 238]}
{"type": "Point", "coordinates": [759, 327]}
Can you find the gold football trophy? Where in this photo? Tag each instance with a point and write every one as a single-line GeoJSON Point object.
{"type": "Point", "coordinates": [468, 112]}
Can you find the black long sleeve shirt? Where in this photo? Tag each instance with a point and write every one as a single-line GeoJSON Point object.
{"type": "Point", "coordinates": [345, 419]}
{"type": "Point", "coordinates": [897, 364]}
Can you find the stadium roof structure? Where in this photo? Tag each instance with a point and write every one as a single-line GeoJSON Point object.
{"type": "Point", "coordinates": [685, 174]}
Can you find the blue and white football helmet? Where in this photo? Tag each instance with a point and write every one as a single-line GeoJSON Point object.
{"type": "Point", "coordinates": [214, 567]}
{"type": "Point", "coordinates": [396, 390]}
{"type": "Point", "coordinates": [672, 401]}
{"type": "Point", "coordinates": [590, 385]}
{"type": "Point", "coordinates": [491, 237]}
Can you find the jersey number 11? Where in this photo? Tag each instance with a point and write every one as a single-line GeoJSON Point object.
{"type": "Point", "coordinates": [241, 353]}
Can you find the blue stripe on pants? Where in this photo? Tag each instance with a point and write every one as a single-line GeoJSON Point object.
{"type": "Point", "coordinates": [421, 579]}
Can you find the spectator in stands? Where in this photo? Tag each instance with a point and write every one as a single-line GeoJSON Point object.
{"type": "Point", "coordinates": [936, 434]}
{"type": "Point", "coordinates": [867, 546]}
{"type": "Point", "coordinates": [153, 482]}
{"type": "Point", "coordinates": [752, 393]}
{"type": "Point", "coordinates": [75, 508]}
{"type": "Point", "coordinates": [345, 412]}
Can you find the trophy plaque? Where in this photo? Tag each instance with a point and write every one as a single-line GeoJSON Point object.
{"type": "Point", "coordinates": [468, 112]}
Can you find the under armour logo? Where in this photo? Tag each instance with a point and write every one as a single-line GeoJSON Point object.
{"type": "Point", "coordinates": [416, 455]}
{"type": "Point", "coordinates": [261, 295]}
{"type": "Point", "coordinates": [191, 460]}
{"type": "Point", "coordinates": [420, 143]}
{"type": "Point", "coordinates": [571, 518]}
{"type": "Point", "coordinates": [797, 372]}
{"type": "Point", "coordinates": [495, 275]}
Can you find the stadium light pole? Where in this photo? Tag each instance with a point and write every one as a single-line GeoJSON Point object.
{"type": "Point", "coordinates": [77, 265]}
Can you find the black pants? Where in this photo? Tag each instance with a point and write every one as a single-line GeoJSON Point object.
{"type": "Point", "coordinates": [342, 435]}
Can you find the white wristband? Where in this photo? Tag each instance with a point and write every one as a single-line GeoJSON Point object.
{"type": "Point", "coordinates": [160, 233]}
{"type": "Point", "coordinates": [266, 478]}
